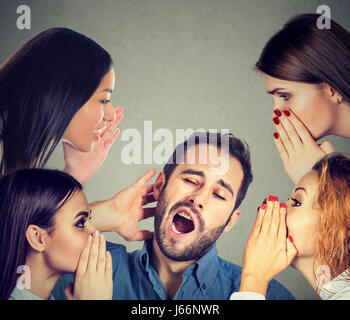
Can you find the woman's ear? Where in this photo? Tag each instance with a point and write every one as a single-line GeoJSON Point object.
{"type": "Point", "coordinates": [158, 185]}
{"type": "Point", "coordinates": [233, 219]}
{"type": "Point", "coordinates": [35, 236]}
{"type": "Point", "coordinates": [334, 95]}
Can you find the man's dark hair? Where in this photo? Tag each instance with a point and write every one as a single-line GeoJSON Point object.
{"type": "Point", "coordinates": [237, 149]}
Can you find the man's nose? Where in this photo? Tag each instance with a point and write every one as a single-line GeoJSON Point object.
{"type": "Point", "coordinates": [199, 199]}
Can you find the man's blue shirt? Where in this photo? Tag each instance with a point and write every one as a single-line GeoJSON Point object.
{"type": "Point", "coordinates": [210, 278]}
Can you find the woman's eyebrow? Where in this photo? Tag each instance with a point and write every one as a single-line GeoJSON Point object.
{"type": "Point", "coordinates": [275, 90]}
{"type": "Point", "coordinates": [107, 90]}
{"type": "Point", "coordinates": [82, 213]}
{"type": "Point", "coordinates": [300, 188]}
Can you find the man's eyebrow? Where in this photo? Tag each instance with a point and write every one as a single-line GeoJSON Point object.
{"type": "Point", "coordinates": [195, 172]}
{"type": "Point", "coordinates": [275, 90]}
{"type": "Point", "coordinates": [300, 188]}
{"type": "Point", "coordinates": [225, 185]}
{"type": "Point", "coordinates": [82, 213]}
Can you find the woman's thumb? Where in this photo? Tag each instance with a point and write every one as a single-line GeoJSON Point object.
{"type": "Point", "coordinates": [327, 147]}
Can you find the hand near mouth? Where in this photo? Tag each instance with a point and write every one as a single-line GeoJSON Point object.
{"type": "Point", "coordinates": [267, 252]}
{"type": "Point", "coordinates": [83, 165]}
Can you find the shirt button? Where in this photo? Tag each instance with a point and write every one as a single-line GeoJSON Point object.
{"type": "Point", "coordinates": [204, 286]}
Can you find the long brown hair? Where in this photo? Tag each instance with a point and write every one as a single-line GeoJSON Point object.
{"type": "Point", "coordinates": [302, 52]}
{"type": "Point", "coordinates": [333, 196]}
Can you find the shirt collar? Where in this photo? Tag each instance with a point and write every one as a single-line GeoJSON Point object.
{"type": "Point", "coordinates": [205, 268]}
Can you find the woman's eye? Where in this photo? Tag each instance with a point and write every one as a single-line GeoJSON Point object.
{"type": "Point", "coordinates": [284, 96]}
{"type": "Point", "coordinates": [105, 101]}
{"type": "Point", "coordinates": [295, 203]}
{"type": "Point", "coordinates": [81, 223]}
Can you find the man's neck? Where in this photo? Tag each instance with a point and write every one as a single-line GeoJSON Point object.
{"type": "Point", "coordinates": [169, 271]}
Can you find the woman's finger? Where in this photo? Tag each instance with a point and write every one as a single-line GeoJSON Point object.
{"type": "Point", "coordinates": [265, 227]}
{"type": "Point", "coordinates": [283, 135]}
{"type": "Point", "coordinates": [101, 262]}
{"type": "Point", "coordinates": [282, 229]}
{"type": "Point", "coordinates": [258, 221]}
{"type": "Point", "coordinates": [84, 258]}
{"type": "Point", "coordinates": [92, 264]}
{"type": "Point", "coordinates": [146, 177]}
{"type": "Point", "coordinates": [275, 218]}
{"type": "Point", "coordinates": [303, 133]}
{"type": "Point", "coordinates": [291, 131]}
{"type": "Point", "coordinates": [108, 267]}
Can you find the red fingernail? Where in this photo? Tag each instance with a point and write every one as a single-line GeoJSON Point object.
{"type": "Point", "coordinates": [276, 120]}
{"type": "Point", "coordinates": [282, 205]}
{"type": "Point", "coordinates": [263, 206]}
{"type": "Point", "coordinates": [277, 112]}
{"type": "Point", "coordinates": [271, 198]}
{"type": "Point", "coordinates": [286, 112]}
{"type": "Point", "coordinates": [275, 135]}
{"type": "Point", "coordinates": [290, 239]}
{"type": "Point", "coordinates": [276, 198]}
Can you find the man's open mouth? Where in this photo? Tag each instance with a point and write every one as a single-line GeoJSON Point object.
{"type": "Point", "coordinates": [182, 223]}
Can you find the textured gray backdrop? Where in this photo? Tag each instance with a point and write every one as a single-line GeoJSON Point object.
{"type": "Point", "coordinates": [183, 64]}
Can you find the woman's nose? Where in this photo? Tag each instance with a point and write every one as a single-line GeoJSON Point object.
{"type": "Point", "coordinates": [109, 114]}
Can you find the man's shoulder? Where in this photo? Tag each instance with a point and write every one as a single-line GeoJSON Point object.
{"type": "Point", "coordinates": [275, 290]}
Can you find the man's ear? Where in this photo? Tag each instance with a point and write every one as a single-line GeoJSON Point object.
{"type": "Point", "coordinates": [158, 185]}
{"type": "Point", "coordinates": [233, 219]}
{"type": "Point", "coordinates": [35, 236]}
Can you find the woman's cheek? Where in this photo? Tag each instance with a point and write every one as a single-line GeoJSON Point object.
{"type": "Point", "coordinates": [315, 115]}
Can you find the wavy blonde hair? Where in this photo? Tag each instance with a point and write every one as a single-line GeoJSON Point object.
{"type": "Point", "coordinates": [333, 196]}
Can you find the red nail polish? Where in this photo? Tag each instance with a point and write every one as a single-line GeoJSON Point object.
{"type": "Point", "coordinates": [265, 200]}
{"type": "Point", "coordinates": [275, 135]}
{"type": "Point", "coordinates": [271, 198]}
{"type": "Point", "coordinates": [277, 112]}
{"type": "Point", "coordinates": [282, 205]}
{"type": "Point", "coordinates": [263, 206]}
{"type": "Point", "coordinates": [290, 239]}
{"type": "Point", "coordinates": [276, 199]}
{"type": "Point", "coordinates": [286, 112]}
{"type": "Point", "coordinates": [276, 120]}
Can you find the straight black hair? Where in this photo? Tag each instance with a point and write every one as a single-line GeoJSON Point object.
{"type": "Point", "coordinates": [29, 196]}
{"type": "Point", "coordinates": [302, 52]}
{"type": "Point", "coordinates": [236, 147]}
{"type": "Point", "coordinates": [42, 86]}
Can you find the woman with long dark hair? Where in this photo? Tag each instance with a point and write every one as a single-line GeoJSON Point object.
{"type": "Point", "coordinates": [57, 87]}
{"type": "Point", "coordinates": [307, 71]}
{"type": "Point", "coordinates": [44, 233]}
{"type": "Point", "coordinates": [311, 232]}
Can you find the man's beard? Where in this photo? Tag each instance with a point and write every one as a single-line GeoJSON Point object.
{"type": "Point", "coordinates": [198, 247]}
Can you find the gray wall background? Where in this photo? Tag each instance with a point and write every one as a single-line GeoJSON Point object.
{"type": "Point", "coordinates": [183, 64]}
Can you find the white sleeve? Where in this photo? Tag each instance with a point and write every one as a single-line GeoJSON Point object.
{"type": "Point", "coordinates": [247, 295]}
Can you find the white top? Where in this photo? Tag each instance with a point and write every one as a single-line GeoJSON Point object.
{"type": "Point", "coordinates": [337, 289]}
{"type": "Point", "coordinates": [23, 294]}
